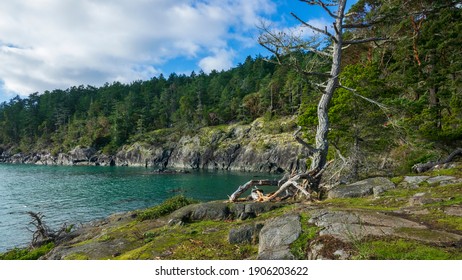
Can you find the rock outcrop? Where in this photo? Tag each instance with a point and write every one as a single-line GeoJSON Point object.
{"type": "Point", "coordinates": [371, 186]}
{"type": "Point", "coordinates": [277, 235]}
{"type": "Point", "coordinates": [236, 147]}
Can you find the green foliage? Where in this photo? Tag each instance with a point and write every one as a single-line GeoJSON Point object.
{"type": "Point", "coordinates": [166, 207]}
{"type": "Point", "coordinates": [298, 247]}
{"type": "Point", "coordinates": [27, 254]}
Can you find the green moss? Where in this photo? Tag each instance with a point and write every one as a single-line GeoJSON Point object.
{"type": "Point", "coordinates": [105, 238]}
{"type": "Point", "coordinates": [77, 256]}
{"type": "Point", "coordinates": [165, 208]}
{"type": "Point", "coordinates": [209, 240]}
{"type": "Point", "coordinates": [309, 232]}
{"type": "Point", "coordinates": [401, 249]}
{"type": "Point", "coordinates": [438, 219]}
{"type": "Point", "coordinates": [199, 240]}
{"type": "Point", "coordinates": [276, 212]}
{"type": "Point", "coordinates": [451, 222]}
{"type": "Point", "coordinates": [82, 243]}
{"type": "Point", "coordinates": [456, 171]}
{"type": "Point", "coordinates": [380, 204]}
{"type": "Point", "coordinates": [397, 180]}
{"type": "Point", "coordinates": [27, 254]}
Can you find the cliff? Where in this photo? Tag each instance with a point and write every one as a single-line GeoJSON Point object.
{"type": "Point", "coordinates": [260, 146]}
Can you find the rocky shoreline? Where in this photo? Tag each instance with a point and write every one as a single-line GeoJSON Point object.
{"type": "Point", "coordinates": [235, 147]}
{"type": "Point", "coordinates": [418, 217]}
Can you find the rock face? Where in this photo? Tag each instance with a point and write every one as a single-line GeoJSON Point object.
{"type": "Point", "coordinates": [351, 226]}
{"type": "Point", "coordinates": [218, 211]}
{"type": "Point", "coordinates": [245, 234]}
{"type": "Point", "coordinates": [371, 186]}
{"type": "Point", "coordinates": [276, 236]}
{"type": "Point", "coordinates": [236, 147]}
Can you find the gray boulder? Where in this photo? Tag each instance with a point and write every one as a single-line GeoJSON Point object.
{"type": "Point", "coordinates": [419, 199]}
{"type": "Point", "coordinates": [371, 186]}
{"type": "Point", "coordinates": [413, 182]}
{"type": "Point", "coordinates": [245, 234]}
{"type": "Point", "coordinates": [439, 179]}
{"type": "Point", "coordinates": [210, 211]}
{"type": "Point", "coordinates": [245, 211]}
{"type": "Point", "coordinates": [276, 236]}
{"type": "Point", "coordinates": [81, 155]}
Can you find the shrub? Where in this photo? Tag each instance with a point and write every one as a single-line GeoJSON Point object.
{"type": "Point", "coordinates": [166, 207]}
{"type": "Point", "coordinates": [27, 254]}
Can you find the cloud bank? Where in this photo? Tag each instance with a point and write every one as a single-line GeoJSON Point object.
{"type": "Point", "coordinates": [48, 44]}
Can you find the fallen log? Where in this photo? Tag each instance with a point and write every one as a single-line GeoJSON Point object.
{"type": "Point", "coordinates": [252, 183]}
{"type": "Point", "coordinates": [422, 167]}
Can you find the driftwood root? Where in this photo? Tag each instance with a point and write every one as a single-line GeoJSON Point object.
{"type": "Point", "coordinates": [290, 184]}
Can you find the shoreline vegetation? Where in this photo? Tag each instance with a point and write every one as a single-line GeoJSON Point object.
{"type": "Point", "coordinates": [416, 217]}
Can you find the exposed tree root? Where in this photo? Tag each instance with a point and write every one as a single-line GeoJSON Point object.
{"type": "Point", "coordinates": [290, 185]}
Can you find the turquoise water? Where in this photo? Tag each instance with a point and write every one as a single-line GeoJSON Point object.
{"type": "Point", "coordinates": [78, 194]}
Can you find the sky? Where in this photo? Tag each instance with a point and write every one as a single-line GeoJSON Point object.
{"type": "Point", "coordinates": [56, 44]}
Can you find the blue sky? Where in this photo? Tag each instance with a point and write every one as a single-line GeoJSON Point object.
{"type": "Point", "coordinates": [51, 44]}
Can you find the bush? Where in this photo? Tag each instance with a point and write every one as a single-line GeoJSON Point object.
{"type": "Point", "coordinates": [27, 254]}
{"type": "Point", "coordinates": [165, 207]}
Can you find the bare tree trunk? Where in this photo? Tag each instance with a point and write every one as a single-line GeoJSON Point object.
{"type": "Point", "coordinates": [281, 46]}
{"type": "Point", "coordinates": [322, 143]}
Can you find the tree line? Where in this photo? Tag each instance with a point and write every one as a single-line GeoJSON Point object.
{"type": "Point", "coordinates": [408, 96]}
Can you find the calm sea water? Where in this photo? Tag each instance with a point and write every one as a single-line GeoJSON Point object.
{"type": "Point", "coordinates": [77, 194]}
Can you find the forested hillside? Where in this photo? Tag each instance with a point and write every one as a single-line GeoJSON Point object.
{"type": "Point", "coordinates": [410, 107]}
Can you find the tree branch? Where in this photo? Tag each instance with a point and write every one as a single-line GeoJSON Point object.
{"type": "Point", "coordinates": [310, 148]}
{"type": "Point", "coordinates": [358, 25]}
{"type": "Point", "coordinates": [322, 4]}
{"type": "Point", "coordinates": [361, 41]}
{"type": "Point", "coordinates": [355, 92]}
{"type": "Point", "coordinates": [319, 52]}
{"type": "Point", "coordinates": [325, 32]}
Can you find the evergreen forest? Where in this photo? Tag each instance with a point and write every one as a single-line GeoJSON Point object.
{"type": "Point", "coordinates": [408, 102]}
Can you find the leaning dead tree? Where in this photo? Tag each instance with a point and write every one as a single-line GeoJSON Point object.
{"type": "Point", "coordinates": [283, 45]}
{"type": "Point", "coordinates": [42, 233]}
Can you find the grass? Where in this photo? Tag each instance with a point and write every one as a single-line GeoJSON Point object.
{"type": "Point", "coordinates": [401, 249]}
{"type": "Point", "coordinates": [438, 219]}
{"type": "Point", "coordinates": [456, 171]}
{"type": "Point", "coordinates": [77, 256]}
{"type": "Point", "coordinates": [309, 232]}
{"type": "Point", "coordinates": [166, 207]}
{"type": "Point", "coordinates": [27, 254]}
{"type": "Point", "coordinates": [193, 241]}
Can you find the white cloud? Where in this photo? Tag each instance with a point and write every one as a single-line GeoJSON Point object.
{"type": "Point", "coordinates": [220, 60]}
{"type": "Point", "coordinates": [48, 44]}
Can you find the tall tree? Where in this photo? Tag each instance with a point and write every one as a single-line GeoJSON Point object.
{"type": "Point", "coordinates": [285, 48]}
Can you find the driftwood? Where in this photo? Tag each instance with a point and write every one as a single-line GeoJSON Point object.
{"type": "Point", "coordinates": [422, 167]}
{"type": "Point", "coordinates": [250, 184]}
{"type": "Point", "coordinates": [300, 182]}
{"type": "Point", "coordinates": [42, 233]}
